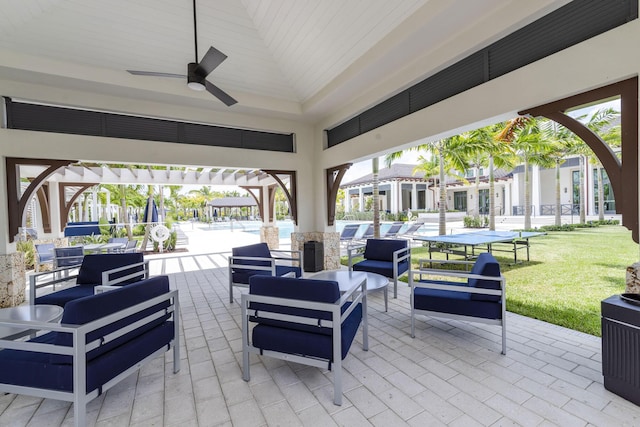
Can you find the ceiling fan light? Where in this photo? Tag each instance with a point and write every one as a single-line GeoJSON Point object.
{"type": "Point", "coordinates": [197, 86]}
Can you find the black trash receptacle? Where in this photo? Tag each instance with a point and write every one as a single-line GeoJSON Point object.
{"type": "Point", "coordinates": [620, 357]}
{"type": "Point", "coordinates": [313, 256]}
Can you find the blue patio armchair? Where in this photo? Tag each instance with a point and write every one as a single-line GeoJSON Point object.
{"type": "Point", "coordinates": [388, 257]}
{"type": "Point", "coordinates": [304, 321]}
{"type": "Point", "coordinates": [70, 256]}
{"type": "Point", "coordinates": [258, 259]}
{"type": "Point", "coordinates": [476, 296]}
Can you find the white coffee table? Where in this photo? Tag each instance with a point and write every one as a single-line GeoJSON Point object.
{"type": "Point", "coordinates": [27, 313]}
{"type": "Point", "coordinates": [348, 279]}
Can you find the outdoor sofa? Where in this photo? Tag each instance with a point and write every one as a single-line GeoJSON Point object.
{"type": "Point", "coordinates": [101, 340]}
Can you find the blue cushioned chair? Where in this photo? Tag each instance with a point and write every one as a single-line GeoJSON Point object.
{"type": "Point", "coordinates": [257, 259]}
{"type": "Point", "coordinates": [99, 269]}
{"type": "Point", "coordinates": [388, 257]}
{"type": "Point", "coordinates": [479, 298]}
{"type": "Point", "coordinates": [304, 321]}
{"type": "Point", "coordinates": [101, 340]}
{"type": "Point", "coordinates": [70, 256]}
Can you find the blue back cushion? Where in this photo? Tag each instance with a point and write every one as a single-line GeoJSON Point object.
{"type": "Point", "coordinates": [87, 309]}
{"type": "Point", "coordinates": [94, 265]}
{"type": "Point", "coordinates": [485, 265]}
{"type": "Point", "coordinates": [383, 249]}
{"type": "Point", "coordinates": [259, 250]}
{"type": "Point", "coordinates": [299, 289]}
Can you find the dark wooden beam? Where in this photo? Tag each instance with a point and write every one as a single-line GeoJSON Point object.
{"type": "Point", "coordinates": [334, 178]}
{"type": "Point", "coordinates": [17, 201]}
{"type": "Point", "coordinates": [623, 175]}
{"type": "Point", "coordinates": [65, 206]}
{"type": "Point", "coordinates": [290, 193]}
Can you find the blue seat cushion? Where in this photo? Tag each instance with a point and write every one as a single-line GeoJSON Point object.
{"type": "Point", "coordinates": [383, 249]}
{"type": "Point", "coordinates": [305, 343]}
{"type": "Point", "coordinates": [452, 302]}
{"type": "Point", "coordinates": [485, 265]}
{"type": "Point", "coordinates": [62, 297]}
{"type": "Point", "coordinates": [87, 309]}
{"type": "Point", "coordinates": [384, 268]}
{"type": "Point", "coordinates": [31, 369]}
{"type": "Point", "coordinates": [93, 266]}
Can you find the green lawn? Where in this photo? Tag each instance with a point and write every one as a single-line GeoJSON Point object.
{"type": "Point", "coordinates": [569, 274]}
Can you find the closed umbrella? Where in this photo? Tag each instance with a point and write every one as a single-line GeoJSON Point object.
{"type": "Point", "coordinates": [151, 215]}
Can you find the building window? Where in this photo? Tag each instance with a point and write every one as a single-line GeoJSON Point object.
{"type": "Point", "coordinates": [460, 201]}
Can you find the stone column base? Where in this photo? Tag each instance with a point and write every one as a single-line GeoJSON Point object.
{"type": "Point", "coordinates": [13, 282]}
{"type": "Point", "coordinates": [633, 279]}
{"type": "Point", "coordinates": [271, 236]}
{"type": "Point", "coordinates": [331, 243]}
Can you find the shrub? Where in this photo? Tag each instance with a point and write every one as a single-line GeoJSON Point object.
{"type": "Point", "coordinates": [475, 222]}
{"type": "Point", "coordinates": [29, 251]}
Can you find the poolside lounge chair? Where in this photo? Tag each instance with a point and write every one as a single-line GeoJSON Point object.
{"type": "Point", "coordinates": [413, 229]}
{"type": "Point", "coordinates": [349, 233]}
{"type": "Point", "coordinates": [393, 231]}
{"type": "Point", "coordinates": [368, 233]}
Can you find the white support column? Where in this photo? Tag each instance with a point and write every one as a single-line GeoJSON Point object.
{"type": "Point", "coordinates": [95, 214]}
{"type": "Point", "coordinates": [414, 197]}
{"type": "Point", "coordinates": [361, 199]}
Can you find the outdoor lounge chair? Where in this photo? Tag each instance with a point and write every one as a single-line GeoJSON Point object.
{"type": "Point", "coordinates": [303, 321]}
{"type": "Point", "coordinates": [389, 257]}
{"type": "Point", "coordinates": [480, 298]}
{"type": "Point", "coordinates": [257, 259]}
{"type": "Point", "coordinates": [348, 233]}
{"type": "Point", "coordinates": [393, 231]}
{"type": "Point", "coordinates": [411, 230]}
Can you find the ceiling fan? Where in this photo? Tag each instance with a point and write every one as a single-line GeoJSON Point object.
{"type": "Point", "coordinates": [197, 72]}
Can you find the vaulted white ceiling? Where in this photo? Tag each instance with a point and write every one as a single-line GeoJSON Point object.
{"type": "Point", "coordinates": [297, 58]}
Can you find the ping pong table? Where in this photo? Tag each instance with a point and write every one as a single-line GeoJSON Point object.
{"type": "Point", "coordinates": [466, 244]}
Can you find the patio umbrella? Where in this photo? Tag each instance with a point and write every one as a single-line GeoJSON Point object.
{"type": "Point", "coordinates": [150, 215]}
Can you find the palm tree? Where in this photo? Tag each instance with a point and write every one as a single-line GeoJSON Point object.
{"type": "Point", "coordinates": [126, 194]}
{"type": "Point", "coordinates": [525, 137]}
{"type": "Point", "coordinates": [451, 155]}
{"type": "Point", "coordinates": [430, 168]}
{"type": "Point", "coordinates": [497, 153]}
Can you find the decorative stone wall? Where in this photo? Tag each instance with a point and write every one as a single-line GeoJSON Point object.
{"type": "Point", "coordinates": [271, 236]}
{"type": "Point", "coordinates": [633, 279]}
{"type": "Point", "coordinates": [13, 282]}
{"type": "Point", "coordinates": [331, 243]}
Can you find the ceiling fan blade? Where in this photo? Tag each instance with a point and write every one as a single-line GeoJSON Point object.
{"type": "Point", "coordinates": [156, 74]}
{"type": "Point", "coordinates": [210, 61]}
{"type": "Point", "coordinates": [219, 93]}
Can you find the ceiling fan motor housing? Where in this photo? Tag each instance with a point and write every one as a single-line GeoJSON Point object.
{"type": "Point", "coordinates": [194, 80]}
